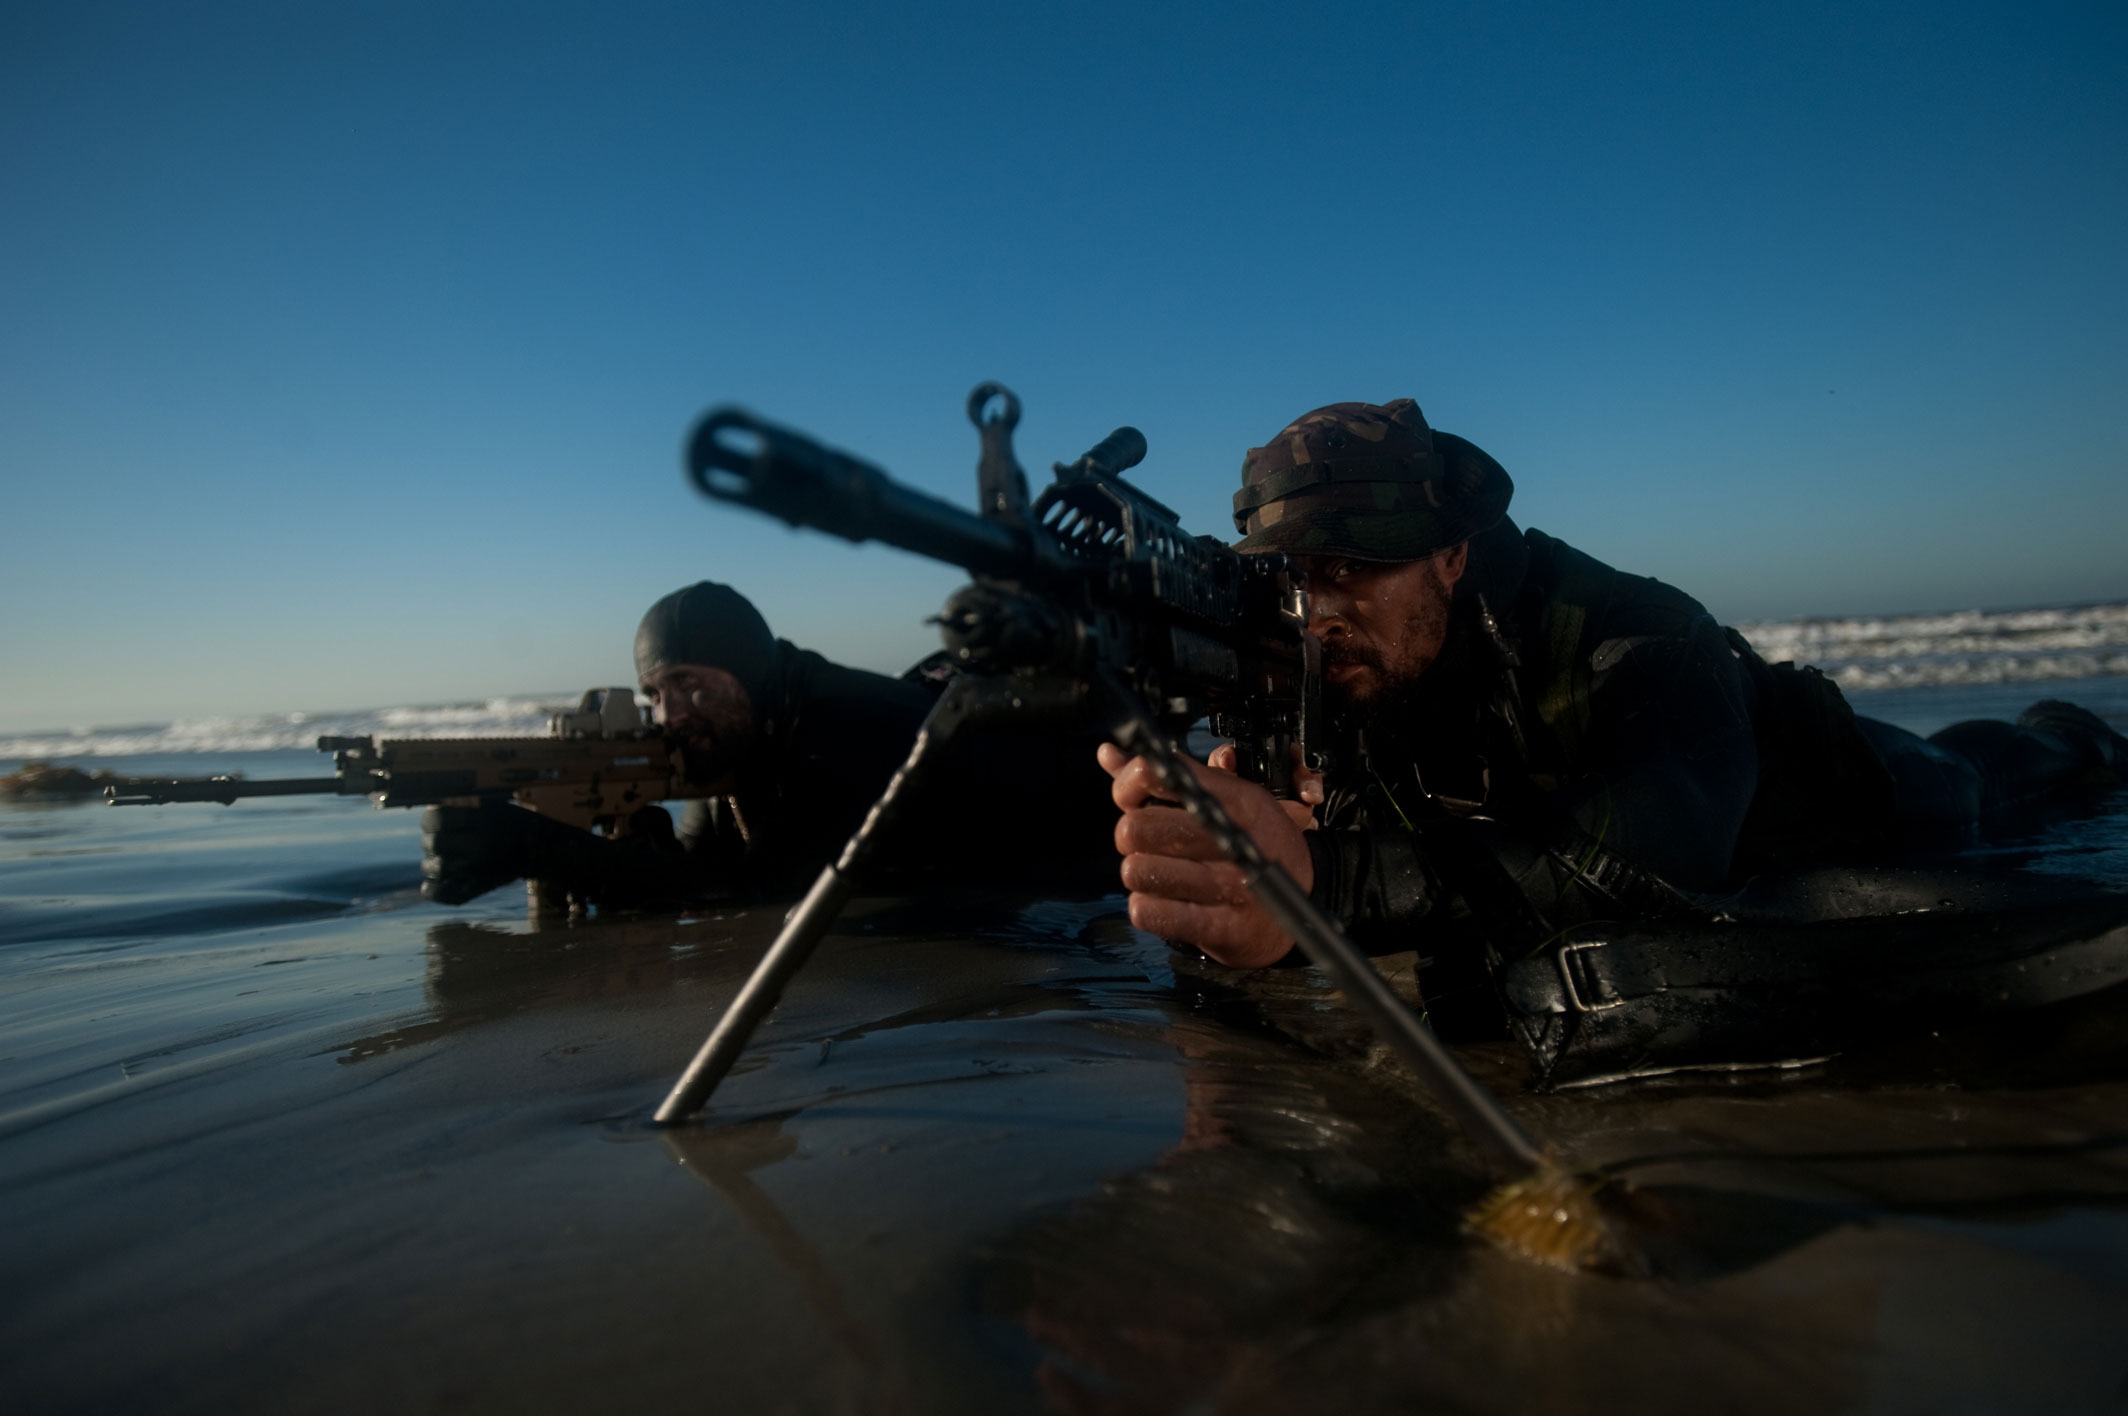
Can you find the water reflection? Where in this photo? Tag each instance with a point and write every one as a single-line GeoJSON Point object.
{"type": "Point", "coordinates": [1293, 1183]}
{"type": "Point", "coordinates": [2091, 847]}
{"type": "Point", "coordinates": [1299, 1247]}
{"type": "Point", "coordinates": [1296, 1242]}
{"type": "Point", "coordinates": [724, 1158]}
{"type": "Point", "coordinates": [1250, 1271]}
{"type": "Point", "coordinates": [477, 972]}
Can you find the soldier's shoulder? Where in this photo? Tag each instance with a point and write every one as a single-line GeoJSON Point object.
{"type": "Point", "coordinates": [1609, 601]}
{"type": "Point", "coordinates": [818, 689]}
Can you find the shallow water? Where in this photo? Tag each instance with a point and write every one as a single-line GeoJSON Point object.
{"type": "Point", "coordinates": [276, 1133]}
{"type": "Point", "coordinates": [1929, 709]}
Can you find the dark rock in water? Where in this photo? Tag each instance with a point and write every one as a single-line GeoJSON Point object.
{"type": "Point", "coordinates": [46, 779]}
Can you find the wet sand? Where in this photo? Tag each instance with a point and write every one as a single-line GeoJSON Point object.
{"type": "Point", "coordinates": [326, 1147]}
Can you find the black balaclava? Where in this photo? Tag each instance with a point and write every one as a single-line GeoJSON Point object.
{"type": "Point", "coordinates": [710, 624]}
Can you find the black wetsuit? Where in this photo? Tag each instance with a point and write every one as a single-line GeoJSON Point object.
{"type": "Point", "coordinates": [828, 739]}
{"type": "Point", "coordinates": [1593, 745]}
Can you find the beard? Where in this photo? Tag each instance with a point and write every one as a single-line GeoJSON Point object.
{"type": "Point", "coordinates": [1387, 694]}
{"type": "Point", "coordinates": [1345, 652]}
{"type": "Point", "coordinates": [710, 758]}
{"type": "Point", "coordinates": [1351, 704]}
{"type": "Point", "coordinates": [1386, 704]}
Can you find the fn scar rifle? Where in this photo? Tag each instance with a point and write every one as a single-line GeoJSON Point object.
{"type": "Point", "coordinates": [597, 767]}
{"type": "Point", "coordinates": [1090, 603]}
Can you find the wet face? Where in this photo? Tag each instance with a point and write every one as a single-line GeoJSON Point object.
{"type": "Point", "coordinates": [707, 707]}
{"type": "Point", "coordinates": [1382, 624]}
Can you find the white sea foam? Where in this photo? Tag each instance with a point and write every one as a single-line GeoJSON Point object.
{"type": "Point", "coordinates": [495, 717]}
{"type": "Point", "coordinates": [1969, 647]}
{"type": "Point", "coordinates": [1862, 653]}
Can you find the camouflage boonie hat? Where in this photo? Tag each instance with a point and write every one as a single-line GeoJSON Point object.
{"type": "Point", "coordinates": [1368, 481]}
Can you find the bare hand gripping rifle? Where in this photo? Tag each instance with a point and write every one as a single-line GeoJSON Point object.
{"type": "Point", "coordinates": [1090, 604]}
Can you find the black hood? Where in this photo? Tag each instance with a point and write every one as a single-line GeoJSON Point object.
{"type": "Point", "coordinates": [708, 624]}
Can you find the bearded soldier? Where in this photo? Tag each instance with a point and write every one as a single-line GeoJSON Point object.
{"type": "Point", "coordinates": [1533, 739]}
{"type": "Point", "coordinates": [791, 750]}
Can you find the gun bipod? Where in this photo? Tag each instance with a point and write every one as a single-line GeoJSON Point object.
{"type": "Point", "coordinates": [967, 699]}
{"type": "Point", "coordinates": [970, 698]}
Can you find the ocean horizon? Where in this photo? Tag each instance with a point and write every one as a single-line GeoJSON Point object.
{"type": "Point", "coordinates": [1864, 654]}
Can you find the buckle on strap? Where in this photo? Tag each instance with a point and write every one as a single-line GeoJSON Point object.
{"type": "Point", "coordinates": [1585, 978]}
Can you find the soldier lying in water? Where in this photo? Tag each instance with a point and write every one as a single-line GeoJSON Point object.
{"type": "Point", "coordinates": [794, 749]}
{"type": "Point", "coordinates": [1537, 739]}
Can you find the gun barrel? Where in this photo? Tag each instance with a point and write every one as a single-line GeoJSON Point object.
{"type": "Point", "coordinates": [734, 456]}
{"type": "Point", "coordinates": [155, 791]}
{"type": "Point", "coordinates": [1114, 455]}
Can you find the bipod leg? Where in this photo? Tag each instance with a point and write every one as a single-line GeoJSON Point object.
{"type": "Point", "coordinates": [1480, 1113]}
{"type": "Point", "coordinates": [812, 916]}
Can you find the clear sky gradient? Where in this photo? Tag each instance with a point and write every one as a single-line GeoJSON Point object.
{"type": "Point", "coordinates": [346, 351]}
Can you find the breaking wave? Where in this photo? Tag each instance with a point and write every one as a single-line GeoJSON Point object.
{"type": "Point", "coordinates": [1969, 647]}
{"type": "Point", "coordinates": [1863, 654]}
{"type": "Point", "coordinates": [495, 717]}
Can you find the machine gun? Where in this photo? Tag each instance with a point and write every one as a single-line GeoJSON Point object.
{"type": "Point", "coordinates": [1093, 576]}
{"type": "Point", "coordinates": [1090, 602]}
{"type": "Point", "coordinates": [596, 768]}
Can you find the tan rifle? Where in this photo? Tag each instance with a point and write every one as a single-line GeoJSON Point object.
{"type": "Point", "coordinates": [596, 767]}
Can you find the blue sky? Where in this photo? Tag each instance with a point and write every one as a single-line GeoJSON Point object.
{"type": "Point", "coordinates": [346, 351]}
